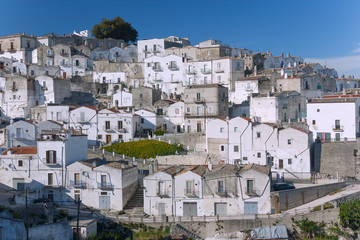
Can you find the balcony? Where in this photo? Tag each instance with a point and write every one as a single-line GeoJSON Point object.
{"type": "Point", "coordinates": [50, 55]}
{"type": "Point", "coordinates": [14, 89]}
{"type": "Point", "coordinates": [173, 67]}
{"type": "Point", "coordinates": [78, 184]}
{"type": "Point", "coordinates": [191, 71]}
{"type": "Point", "coordinates": [108, 129]}
{"type": "Point", "coordinates": [205, 71]}
{"type": "Point", "coordinates": [157, 68]}
{"type": "Point", "coordinates": [191, 193]}
{"type": "Point", "coordinates": [219, 70]}
{"type": "Point", "coordinates": [221, 192]}
{"type": "Point", "coordinates": [64, 54]}
{"type": "Point", "coordinates": [337, 128]}
{"type": "Point", "coordinates": [11, 50]}
{"type": "Point", "coordinates": [251, 192]}
{"type": "Point", "coordinates": [158, 79]}
{"type": "Point", "coordinates": [105, 186]}
{"type": "Point", "coordinates": [163, 194]}
{"type": "Point", "coordinates": [199, 100]}
{"type": "Point", "coordinates": [83, 121]}
{"type": "Point", "coordinates": [121, 130]}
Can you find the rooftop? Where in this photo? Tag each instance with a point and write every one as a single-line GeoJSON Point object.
{"type": "Point", "coordinates": [21, 150]}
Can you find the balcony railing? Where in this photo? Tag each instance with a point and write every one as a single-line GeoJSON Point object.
{"type": "Point", "coordinates": [163, 194]}
{"type": "Point", "coordinates": [65, 54]}
{"type": "Point", "coordinates": [83, 120]}
{"type": "Point", "coordinates": [337, 128]}
{"type": "Point", "coordinates": [14, 89]}
{"type": "Point", "coordinates": [157, 68]}
{"type": "Point", "coordinates": [121, 130]}
{"type": "Point", "coordinates": [251, 192]}
{"type": "Point", "coordinates": [219, 70]}
{"type": "Point", "coordinates": [191, 71]}
{"type": "Point", "coordinates": [78, 184]}
{"type": "Point", "coordinates": [199, 100]}
{"type": "Point", "coordinates": [109, 129]}
{"type": "Point", "coordinates": [173, 67]}
{"type": "Point", "coordinates": [158, 79]}
{"type": "Point", "coordinates": [105, 185]}
{"type": "Point", "coordinates": [205, 71]}
{"type": "Point", "coordinates": [191, 193]}
{"type": "Point", "coordinates": [221, 192]}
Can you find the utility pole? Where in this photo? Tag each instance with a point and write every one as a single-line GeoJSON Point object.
{"type": "Point", "coordinates": [26, 215]}
{"type": "Point", "coordinates": [77, 220]}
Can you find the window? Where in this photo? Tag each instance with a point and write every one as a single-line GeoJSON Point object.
{"type": "Point", "coordinates": [189, 187]}
{"type": "Point", "coordinates": [318, 110]}
{"type": "Point", "coordinates": [289, 141]}
{"type": "Point", "coordinates": [220, 186]}
{"type": "Point", "coordinates": [154, 47]}
{"type": "Point", "coordinates": [145, 48]}
{"type": "Point", "coordinates": [188, 109]}
{"type": "Point", "coordinates": [259, 154]}
{"type": "Point", "coordinates": [76, 178]}
{"type": "Point", "coordinates": [313, 122]}
{"type": "Point", "coordinates": [120, 124]}
{"type": "Point", "coordinates": [77, 195]}
{"type": "Point", "coordinates": [99, 136]}
{"type": "Point", "coordinates": [198, 110]}
{"type": "Point", "coordinates": [235, 129]}
{"type": "Point", "coordinates": [337, 124]}
{"type": "Point", "coordinates": [177, 111]}
{"type": "Point", "coordinates": [18, 133]}
{"type": "Point", "coordinates": [159, 111]}
{"type": "Point", "coordinates": [222, 148]}
{"type": "Point", "coordinates": [20, 163]}
{"type": "Point", "coordinates": [205, 80]}
{"type": "Point", "coordinates": [289, 161]}
{"type": "Point", "coordinates": [208, 52]}
{"type": "Point", "coordinates": [236, 148]}
{"type": "Point", "coordinates": [32, 73]}
{"type": "Point", "coordinates": [337, 137]}
{"type": "Point", "coordinates": [107, 124]}
{"type": "Point", "coordinates": [161, 188]}
{"type": "Point", "coordinates": [258, 135]}
{"type": "Point", "coordinates": [250, 186]}
{"type": "Point", "coordinates": [198, 127]}
{"type": "Point", "coordinates": [120, 137]}
{"type": "Point", "coordinates": [238, 66]}
{"type": "Point", "coordinates": [245, 158]}
{"type": "Point", "coordinates": [50, 179]}
{"type": "Point", "coordinates": [218, 66]}
{"type": "Point", "coordinates": [77, 63]}
{"type": "Point", "coordinates": [198, 96]}
{"type": "Point", "coordinates": [142, 120]}
{"type": "Point", "coordinates": [50, 157]}
{"type": "Point", "coordinates": [58, 116]}
{"type": "Point", "coordinates": [219, 79]}
{"type": "Point", "coordinates": [281, 163]}
{"type": "Point", "coordinates": [221, 130]}
{"type": "Point", "coordinates": [103, 180]}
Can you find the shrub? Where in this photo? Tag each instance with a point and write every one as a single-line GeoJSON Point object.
{"type": "Point", "coordinates": [317, 208]}
{"type": "Point", "coordinates": [349, 214]}
{"type": "Point", "coordinates": [144, 149]}
{"type": "Point", "coordinates": [159, 132]}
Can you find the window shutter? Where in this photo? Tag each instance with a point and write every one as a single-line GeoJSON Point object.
{"type": "Point", "coordinates": [47, 157]}
{"type": "Point", "coordinates": [54, 156]}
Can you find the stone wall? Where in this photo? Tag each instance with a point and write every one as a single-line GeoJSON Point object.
{"type": "Point", "coordinates": [195, 141]}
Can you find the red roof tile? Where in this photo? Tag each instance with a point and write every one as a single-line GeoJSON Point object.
{"type": "Point", "coordinates": [21, 150]}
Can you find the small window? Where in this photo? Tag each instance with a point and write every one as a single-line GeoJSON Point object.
{"type": "Point", "coordinates": [222, 148]}
{"type": "Point", "coordinates": [32, 72]}
{"type": "Point", "coordinates": [259, 154]}
{"type": "Point", "coordinates": [120, 137]}
{"type": "Point", "coordinates": [220, 186]}
{"type": "Point", "coordinates": [236, 148]}
{"type": "Point", "coordinates": [258, 135]}
{"type": "Point", "coordinates": [318, 110]}
{"type": "Point", "coordinates": [188, 109]}
{"type": "Point", "coordinates": [289, 161]}
{"type": "Point", "coordinates": [235, 129]}
{"type": "Point", "coordinates": [99, 136]}
{"type": "Point", "coordinates": [20, 163]}
{"type": "Point", "coordinates": [289, 141]}
{"type": "Point", "coordinates": [313, 122]}
{"type": "Point", "coordinates": [221, 130]}
{"type": "Point", "coordinates": [208, 52]}
{"type": "Point", "coordinates": [245, 158]}
{"type": "Point", "coordinates": [142, 120]}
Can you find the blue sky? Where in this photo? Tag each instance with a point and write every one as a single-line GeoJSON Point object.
{"type": "Point", "coordinates": [317, 30]}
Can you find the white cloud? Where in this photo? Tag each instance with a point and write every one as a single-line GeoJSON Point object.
{"type": "Point", "coordinates": [348, 65]}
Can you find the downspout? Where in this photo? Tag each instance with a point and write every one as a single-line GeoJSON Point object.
{"type": "Point", "coordinates": [240, 140]}
{"type": "Point", "coordinates": [173, 197]}
{"type": "Point", "coordinates": [268, 140]}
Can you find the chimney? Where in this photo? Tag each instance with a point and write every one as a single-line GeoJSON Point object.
{"type": "Point", "coordinates": [255, 70]}
{"type": "Point", "coordinates": [285, 75]}
{"type": "Point", "coordinates": [282, 72]}
{"type": "Point", "coordinates": [344, 91]}
{"type": "Point", "coordinates": [288, 55]}
{"type": "Point", "coordinates": [282, 54]}
{"type": "Point", "coordinates": [209, 165]}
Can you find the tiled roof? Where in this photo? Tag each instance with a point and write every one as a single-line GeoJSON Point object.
{"type": "Point", "coordinates": [21, 150]}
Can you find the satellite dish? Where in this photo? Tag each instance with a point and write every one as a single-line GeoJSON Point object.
{"type": "Point", "coordinates": [86, 174]}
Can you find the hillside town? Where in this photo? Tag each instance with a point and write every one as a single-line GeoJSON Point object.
{"type": "Point", "coordinates": [261, 138]}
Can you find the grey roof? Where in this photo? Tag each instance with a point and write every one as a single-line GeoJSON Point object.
{"type": "Point", "coordinates": [273, 232]}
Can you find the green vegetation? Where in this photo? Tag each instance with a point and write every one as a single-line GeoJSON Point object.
{"type": "Point", "coordinates": [115, 28]}
{"type": "Point", "coordinates": [144, 148]}
{"type": "Point", "coordinates": [336, 191]}
{"type": "Point", "coordinates": [350, 214]}
{"type": "Point", "coordinates": [326, 206]}
{"type": "Point", "coordinates": [159, 132]}
{"type": "Point", "coordinates": [313, 230]}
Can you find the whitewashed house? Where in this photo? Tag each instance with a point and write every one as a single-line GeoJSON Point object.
{"type": "Point", "coordinates": [85, 119]}
{"type": "Point", "coordinates": [246, 86]}
{"type": "Point", "coordinates": [116, 125]}
{"type": "Point", "coordinates": [175, 115]}
{"type": "Point", "coordinates": [334, 118]}
{"type": "Point", "coordinates": [58, 113]}
{"type": "Point", "coordinates": [101, 184]}
{"type": "Point", "coordinates": [55, 89]}
{"type": "Point", "coordinates": [198, 191]}
{"type": "Point", "coordinates": [42, 168]}
{"type": "Point", "coordinates": [122, 99]}
{"type": "Point", "coordinates": [147, 122]}
{"type": "Point", "coordinates": [21, 133]}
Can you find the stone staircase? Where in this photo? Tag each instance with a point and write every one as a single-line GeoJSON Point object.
{"type": "Point", "coordinates": [178, 230]}
{"type": "Point", "coordinates": [135, 206]}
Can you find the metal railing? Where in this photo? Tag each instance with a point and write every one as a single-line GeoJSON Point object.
{"type": "Point", "coordinates": [205, 71]}
{"type": "Point", "coordinates": [103, 185]}
{"type": "Point", "coordinates": [78, 184]}
{"type": "Point", "coordinates": [191, 193]}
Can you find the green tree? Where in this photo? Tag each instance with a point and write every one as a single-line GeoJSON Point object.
{"type": "Point", "coordinates": [115, 28]}
{"type": "Point", "coordinates": [350, 214]}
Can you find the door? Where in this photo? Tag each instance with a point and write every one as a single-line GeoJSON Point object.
{"type": "Point", "coordinates": [189, 209]}
{"type": "Point", "coordinates": [64, 74]}
{"type": "Point", "coordinates": [198, 127]}
{"type": "Point", "coordinates": [281, 163]}
{"type": "Point", "coordinates": [250, 208]}
{"type": "Point", "coordinates": [18, 184]}
{"type": "Point", "coordinates": [220, 209]}
{"type": "Point", "coordinates": [108, 139]}
{"type": "Point", "coordinates": [104, 202]}
{"type": "Point", "coordinates": [18, 132]}
{"type": "Point", "coordinates": [161, 208]}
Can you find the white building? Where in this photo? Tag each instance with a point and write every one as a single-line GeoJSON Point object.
{"type": "Point", "coordinates": [101, 184]}
{"type": "Point", "coordinates": [240, 141]}
{"type": "Point", "coordinates": [334, 118]}
{"type": "Point", "coordinates": [122, 99]}
{"type": "Point", "coordinates": [147, 122]}
{"type": "Point", "coordinates": [55, 89]}
{"type": "Point", "coordinates": [85, 118]}
{"type": "Point", "coordinates": [197, 191]}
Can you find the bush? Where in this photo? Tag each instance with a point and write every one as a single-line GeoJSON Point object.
{"type": "Point", "coordinates": [144, 149]}
{"type": "Point", "coordinates": [349, 214]}
{"type": "Point", "coordinates": [159, 132]}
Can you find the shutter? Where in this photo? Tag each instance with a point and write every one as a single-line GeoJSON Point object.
{"type": "Point", "coordinates": [47, 157]}
{"type": "Point", "coordinates": [54, 157]}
